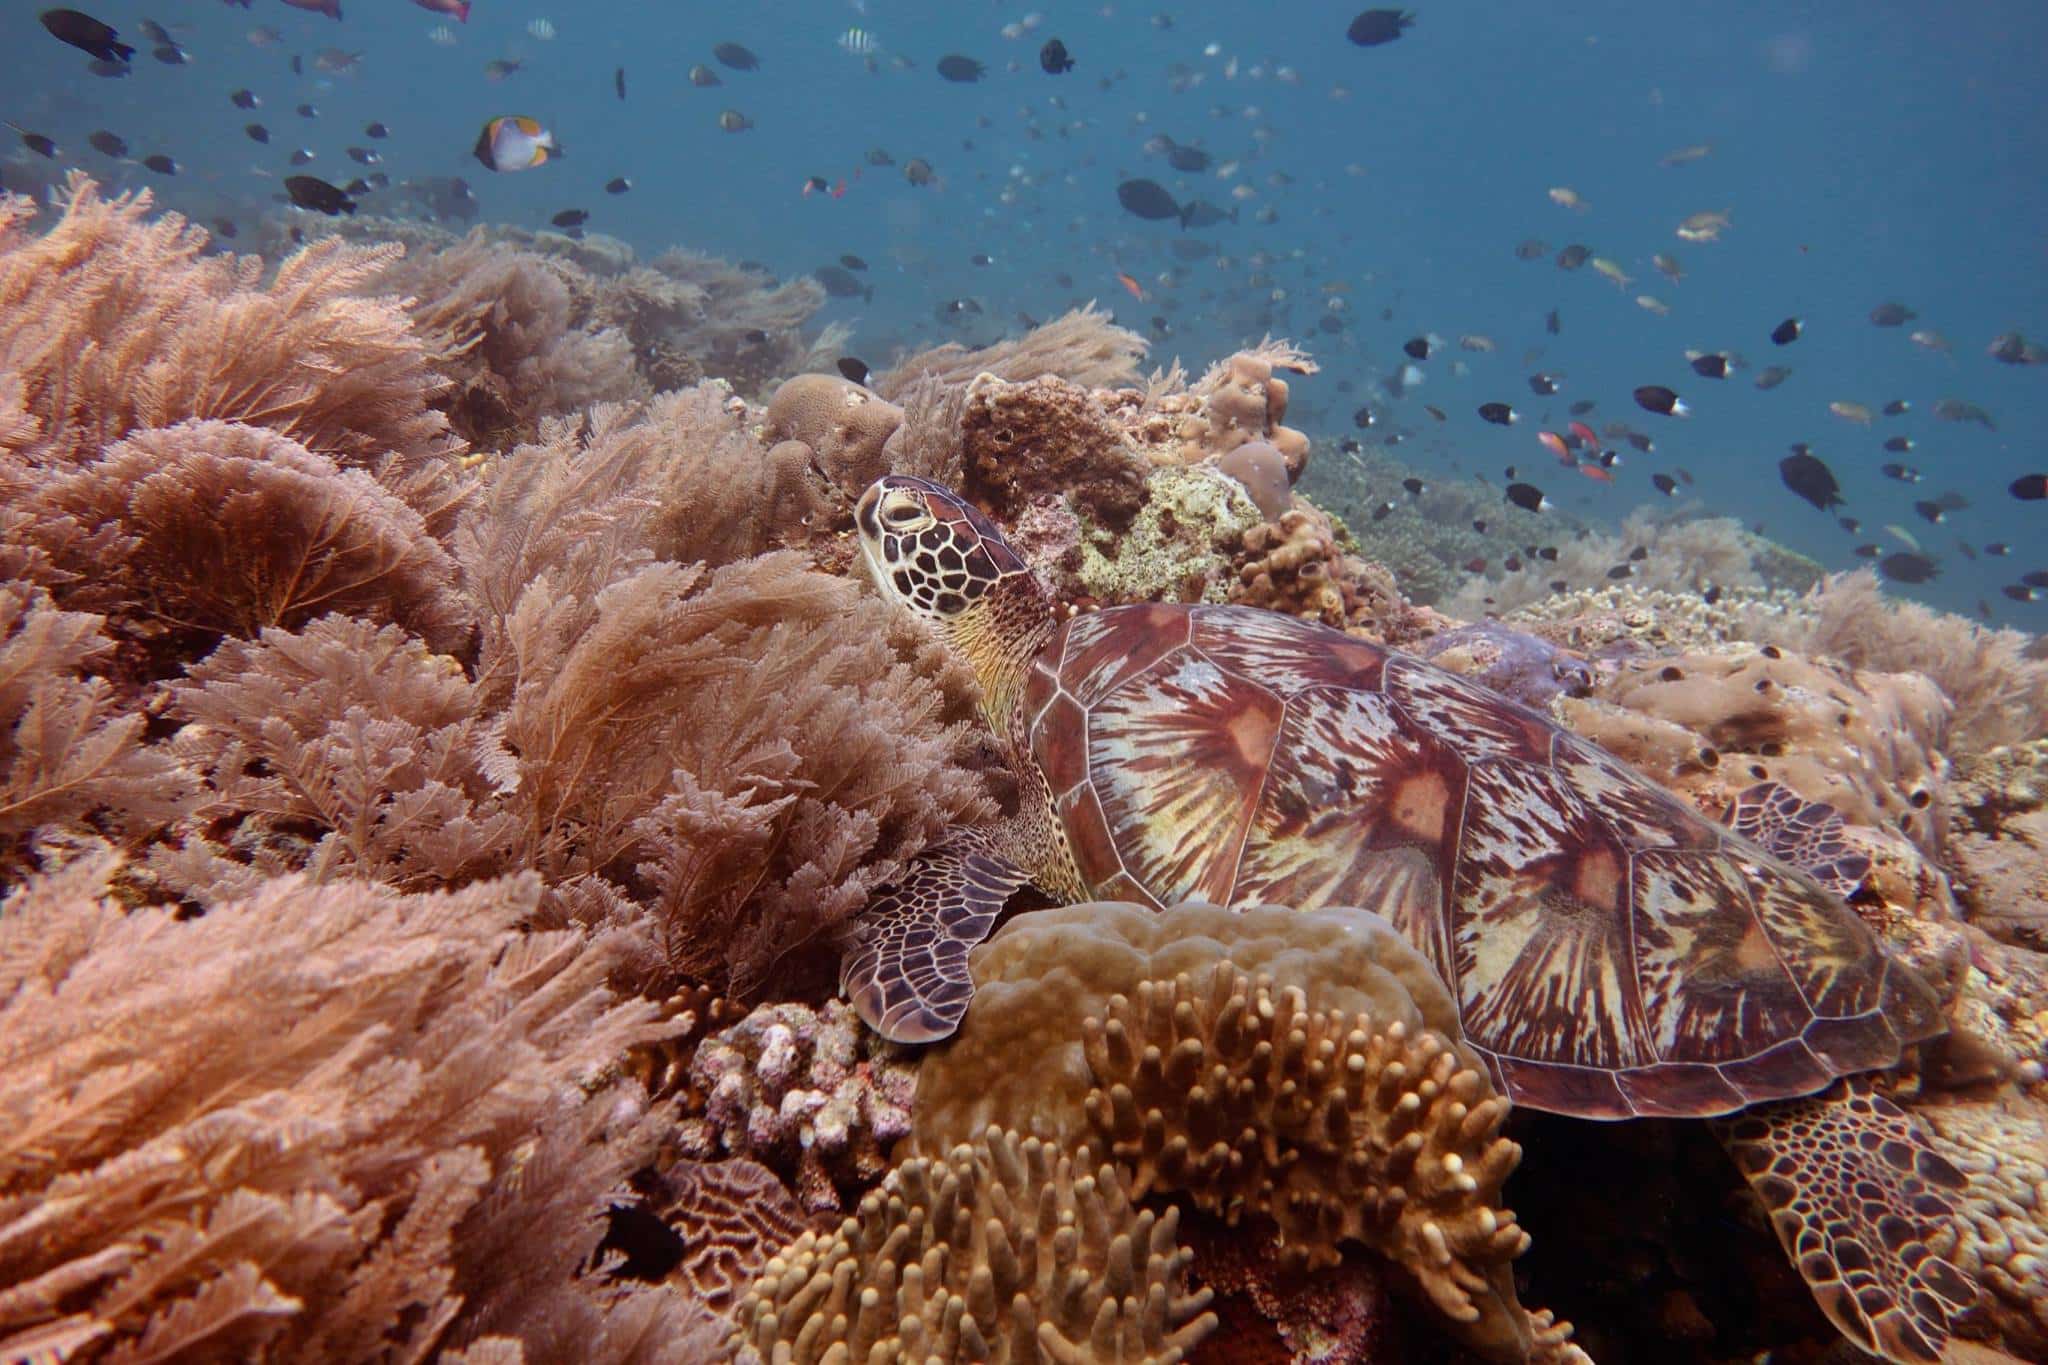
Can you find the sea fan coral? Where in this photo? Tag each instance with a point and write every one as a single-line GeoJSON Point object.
{"type": "Point", "coordinates": [1083, 346]}
{"type": "Point", "coordinates": [288, 1125]}
{"type": "Point", "coordinates": [112, 322]}
{"type": "Point", "coordinates": [218, 527]}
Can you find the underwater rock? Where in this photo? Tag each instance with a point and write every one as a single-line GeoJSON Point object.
{"type": "Point", "coordinates": [1020, 442]}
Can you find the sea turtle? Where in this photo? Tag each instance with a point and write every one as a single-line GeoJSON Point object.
{"type": "Point", "coordinates": [1613, 952]}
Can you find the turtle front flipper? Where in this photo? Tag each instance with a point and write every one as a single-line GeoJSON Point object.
{"type": "Point", "coordinates": [906, 969]}
{"type": "Point", "coordinates": [1806, 834]}
{"type": "Point", "coordinates": [1856, 1194]}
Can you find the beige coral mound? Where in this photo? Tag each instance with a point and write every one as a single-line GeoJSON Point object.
{"type": "Point", "coordinates": [1332, 1127]}
{"type": "Point", "coordinates": [844, 424]}
{"type": "Point", "coordinates": [1006, 1250]}
{"type": "Point", "coordinates": [1018, 1060]}
{"type": "Point", "coordinates": [1298, 564]}
{"type": "Point", "coordinates": [2001, 1225]}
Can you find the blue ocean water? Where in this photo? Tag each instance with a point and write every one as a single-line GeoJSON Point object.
{"type": "Point", "coordinates": [1865, 154]}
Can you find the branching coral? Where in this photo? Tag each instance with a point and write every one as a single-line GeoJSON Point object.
{"type": "Point", "coordinates": [1298, 565]}
{"type": "Point", "coordinates": [1026, 1056]}
{"type": "Point", "coordinates": [1008, 1250]}
{"type": "Point", "coordinates": [1327, 1126]}
{"type": "Point", "coordinates": [808, 1092]}
{"type": "Point", "coordinates": [290, 1126]}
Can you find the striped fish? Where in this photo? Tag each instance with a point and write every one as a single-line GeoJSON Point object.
{"type": "Point", "coordinates": [860, 42]}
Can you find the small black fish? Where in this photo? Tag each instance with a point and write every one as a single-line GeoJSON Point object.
{"type": "Point", "coordinates": [245, 99]}
{"type": "Point", "coordinates": [1500, 414]}
{"type": "Point", "coordinates": [981, 258]}
{"type": "Point", "coordinates": [1362, 418]}
{"type": "Point", "coordinates": [1418, 348]}
{"type": "Point", "coordinates": [1531, 249]}
{"type": "Point", "coordinates": [570, 218]}
{"type": "Point", "coordinates": [87, 34]}
{"type": "Point", "coordinates": [225, 227]}
{"type": "Point", "coordinates": [36, 142]}
{"type": "Point", "coordinates": [1621, 571]}
{"type": "Point", "coordinates": [1381, 512]}
{"type": "Point", "coordinates": [301, 156]}
{"type": "Point", "coordinates": [854, 369]}
{"type": "Point", "coordinates": [309, 111]}
{"type": "Point", "coordinates": [2038, 578]}
{"type": "Point", "coordinates": [1771, 376]}
{"type": "Point", "coordinates": [1898, 407]}
{"type": "Point", "coordinates": [311, 192]}
{"type": "Point", "coordinates": [2029, 487]}
{"type": "Point", "coordinates": [1146, 199]}
{"type": "Point", "coordinates": [1375, 27]}
{"type": "Point", "coordinates": [1867, 551]}
{"type": "Point", "coordinates": [1558, 585]}
{"type": "Point", "coordinates": [375, 129]}
{"type": "Point", "coordinates": [965, 70]}
{"type": "Point", "coordinates": [1527, 496]}
{"type": "Point", "coordinates": [1543, 384]}
{"type": "Point", "coordinates": [1849, 524]}
{"type": "Point", "coordinates": [365, 156]}
{"type": "Point", "coordinates": [1479, 526]}
{"type": "Point", "coordinates": [1053, 58]}
{"type": "Point", "coordinates": [1903, 473]}
{"type": "Point", "coordinates": [257, 132]}
{"type": "Point", "coordinates": [1890, 314]}
{"type": "Point", "coordinates": [736, 57]}
{"type": "Point", "coordinates": [618, 184]}
{"type": "Point", "coordinates": [619, 82]}
{"type": "Point", "coordinates": [1434, 411]}
{"type": "Point", "coordinates": [161, 164]}
{"type": "Point", "coordinates": [1639, 554]}
{"type": "Point", "coordinates": [1665, 484]}
{"type": "Point", "coordinates": [1787, 332]}
{"type": "Point", "coordinates": [170, 54]}
{"type": "Point", "coordinates": [1640, 441]}
{"type": "Point", "coordinates": [1908, 568]}
{"type": "Point", "coordinates": [1574, 256]}
{"type": "Point", "coordinates": [1998, 548]}
{"type": "Point", "coordinates": [1810, 478]}
{"type": "Point", "coordinates": [1414, 486]}
{"type": "Point", "coordinates": [2020, 593]}
{"type": "Point", "coordinates": [1898, 445]}
{"type": "Point", "coordinates": [1657, 398]}
{"type": "Point", "coordinates": [841, 284]}
{"type": "Point", "coordinates": [853, 262]}
{"type": "Point", "coordinates": [1930, 512]}
{"type": "Point", "coordinates": [1709, 364]}
{"type": "Point", "coordinates": [112, 144]}
{"type": "Point", "coordinates": [1582, 406]}
{"type": "Point", "coordinates": [1552, 323]}
{"type": "Point", "coordinates": [110, 70]}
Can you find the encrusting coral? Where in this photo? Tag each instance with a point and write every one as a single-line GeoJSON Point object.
{"type": "Point", "coordinates": [1006, 1250]}
{"type": "Point", "coordinates": [844, 426]}
{"type": "Point", "coordinates": [2001, 1228]}
{"type": "Point", "coordinates": [1299, 565]}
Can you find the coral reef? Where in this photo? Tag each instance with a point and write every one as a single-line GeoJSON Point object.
{"type": "Point", "coordinates": [1262, 470]}
{"type": "Point", "coordinates": [1056, 1046]}
{"type": "Point", "coordinates": [1006, 1250]}
{"type": "Point", "coordinates": [1084, 347]}
{"type": "Point", "coordinates": [1328, 1127]}
{"type": "Point", "coordinates": [1021, 441]}
{"type": "Point", "coordinates": [1298, 565]}
{"type": "Point", "coordinates": [1999, 841]}
{"type": "Point", "coordinates": [843, 425]}
{"type": "Point", "coordinates": [307, 1123]}
{"type": "Point", "coordinates": [1019, 1061]}
{"type": "Point", "coordinates": [1709, 724]}
{"type": "Point", "coordinates": [729, 1218]}
{"type": "Point", "coordinates": [1179, 548]}
{"type": "Point", "coordinates": [2001, 1227]}
{"type": "Point", "coordinates": [809, 1093]}
{"type": "Point", "coordinates": [1243, 400]}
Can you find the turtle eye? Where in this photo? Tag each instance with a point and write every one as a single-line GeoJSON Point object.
{"type": "Point", "coordinates": [903, 513]}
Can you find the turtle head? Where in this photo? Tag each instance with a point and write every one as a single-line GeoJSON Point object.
{"type": "Point", "coordinates": [932, 553]}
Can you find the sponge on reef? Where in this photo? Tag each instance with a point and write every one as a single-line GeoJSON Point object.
{"type": "Point", "coordinates": [1007, 1250]}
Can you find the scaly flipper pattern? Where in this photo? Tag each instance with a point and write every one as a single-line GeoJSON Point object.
{"type": "Point", "coordinates": [1855, 1194]}
{"type": "Point", "coordinates": [1806, 834]}
{"type": "Point", "coordinates": [906, 969]}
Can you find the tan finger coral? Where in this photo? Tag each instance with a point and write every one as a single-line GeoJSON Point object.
{"type": "Point", "coordinates": [1006, 1250]}
{"type": "Point", "coordinates": [1245, 401]}
{"type": "Point", "coordinates": [1332, 1126]}
{"type": "Point", "coordinates": [1297, 564]}
{"type": "Point", "coordinates": [841, 421]}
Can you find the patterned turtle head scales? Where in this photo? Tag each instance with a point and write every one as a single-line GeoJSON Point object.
{"type": "Point", "coordinates": [933, 553]}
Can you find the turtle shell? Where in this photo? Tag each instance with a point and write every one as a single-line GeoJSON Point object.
{"type": "Point", "coordinates": [1613, 952]}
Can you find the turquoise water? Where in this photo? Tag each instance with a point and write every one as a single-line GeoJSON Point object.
{"type": "Point", "coordinates": [1866, 153]}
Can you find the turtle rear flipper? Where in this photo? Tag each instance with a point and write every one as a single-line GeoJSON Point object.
{"type": "Point", "coordinates": [1806, 834]}
{"type": "Point", "coordinates": [906, 969]}
{"type": "Point", "coordinates": [1855, 1195]}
